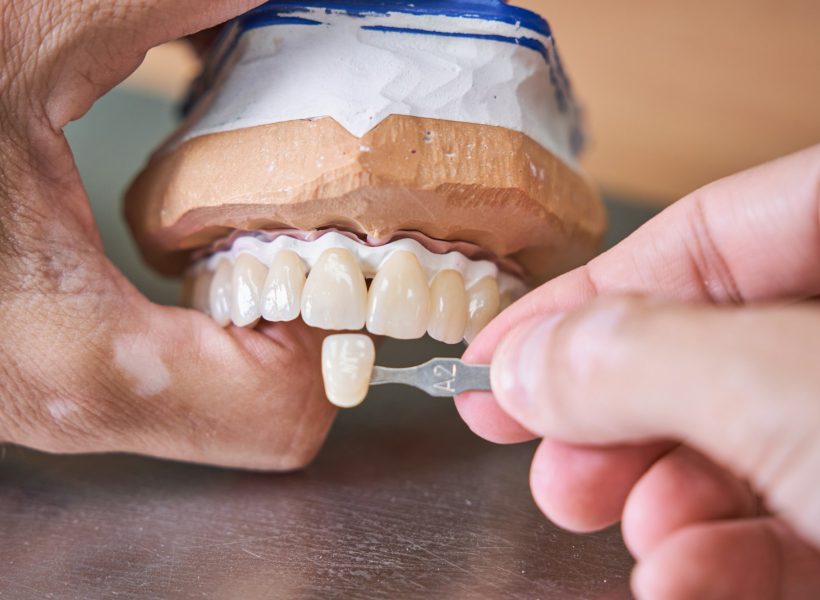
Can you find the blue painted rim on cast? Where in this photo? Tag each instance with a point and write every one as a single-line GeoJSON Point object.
{"type": "Point", "coordinates": [287, 13]}
{"type": "Point", "coordinates": [273, 13]}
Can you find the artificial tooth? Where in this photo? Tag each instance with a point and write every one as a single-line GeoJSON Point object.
{"type": "Point", "coordinates": [483, 303]}
{"type": "Point", "coordinates": [347, 365]}
{"type": "Point", "coordinates": [248, 279]}
{"type": "Point", "coordinates": [220, 293]}
{"type": "Point", "coordinates": [202, 289]}
{"type": "Point", "coordinates": [448, 318]}
{"type": "Point", "coordinates": [399, 300]}
{"type": "Point", "coordinates": [282, 294]}
{"type": "Point", "coordinates": [335, 294]}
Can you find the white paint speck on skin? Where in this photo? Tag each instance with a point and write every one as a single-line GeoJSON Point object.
{"type": "Point", "coordinates": [61, 410]}
{"type": "Point", "coordinates": [140, 361]}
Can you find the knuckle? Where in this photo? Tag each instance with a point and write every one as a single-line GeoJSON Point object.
{"type": "Point", "coordinates": [594, 343]}
{"type": "Point", "coordinates": [705, 255]}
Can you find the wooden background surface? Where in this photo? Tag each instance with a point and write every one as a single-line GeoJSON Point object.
{"type": "Point", "coordinates": [677, 93]}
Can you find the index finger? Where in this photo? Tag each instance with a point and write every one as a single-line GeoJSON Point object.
{"type": "Point", "coordinates": [751, 237]}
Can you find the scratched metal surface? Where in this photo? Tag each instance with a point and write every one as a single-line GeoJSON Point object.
{"type": "Point", "coordinates": [403, 502]}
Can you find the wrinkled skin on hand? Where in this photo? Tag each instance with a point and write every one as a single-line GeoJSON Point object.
{"type": "Point", "coordinates": [87, 364]}
{"type": "Point", "coordinates": [687, 406]}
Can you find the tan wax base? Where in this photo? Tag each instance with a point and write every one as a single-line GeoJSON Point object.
{"type": "Point", "coordinates": [452, 181]}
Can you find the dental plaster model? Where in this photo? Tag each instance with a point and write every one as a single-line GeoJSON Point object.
{"type": "Point", "coordinates": [408, 168]}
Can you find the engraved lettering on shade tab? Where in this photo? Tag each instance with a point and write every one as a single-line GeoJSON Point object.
{"type": "Point", "coordinates": [447, 378]}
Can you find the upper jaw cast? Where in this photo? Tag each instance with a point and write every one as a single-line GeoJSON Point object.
{"type": "Point", "coordinates": [412, 291]}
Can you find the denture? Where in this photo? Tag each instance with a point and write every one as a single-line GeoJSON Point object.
{"type": "Point", "coordinates": [405, 168]}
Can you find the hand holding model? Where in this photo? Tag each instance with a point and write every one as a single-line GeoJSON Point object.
{"type": "Point", "coordinates": [88, 364]}
{"type": "Point", "coordinates": [719, 354]}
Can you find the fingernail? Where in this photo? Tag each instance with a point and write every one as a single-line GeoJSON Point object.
{"type": "Point", "coordinates": [518, 367]}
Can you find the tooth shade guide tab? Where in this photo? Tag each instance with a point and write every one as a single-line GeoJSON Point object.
{"type": "Point", "coordinates": [347, 366]}
{"type": "Point", "coordinates": [370, 258]}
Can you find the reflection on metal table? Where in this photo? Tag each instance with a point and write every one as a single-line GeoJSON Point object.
{"type": "Point", "coordinates": [403, 502]}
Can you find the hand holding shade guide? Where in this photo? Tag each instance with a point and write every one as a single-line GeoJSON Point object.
{"type": "Point", "coordinates": [348, 371]}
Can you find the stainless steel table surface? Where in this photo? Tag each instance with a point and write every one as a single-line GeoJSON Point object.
{"type": "Point", "coordinates": [403, 502]}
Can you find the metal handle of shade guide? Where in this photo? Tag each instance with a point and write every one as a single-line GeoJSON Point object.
{"type": "Point", "coordinates": [439, 377]}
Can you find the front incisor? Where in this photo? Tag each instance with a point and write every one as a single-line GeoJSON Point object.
{"type": "Point", "coordinates": [335, 294]}
{"type": "Point", "coordinates": [448, 318]}
{"type": "Point", "coordinates": [347, 366]}
{"type": "Point", "coordinates": [399, 299]}
{"type": "Point", "coordinates": [282, 294]}
{"type": "Point", "coordinates": [483, 304]}
{"type": "Point", "coordinates": [248, 278]}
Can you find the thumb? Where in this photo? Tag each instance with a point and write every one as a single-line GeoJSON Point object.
{"type": "Point", "coordinates": [738, 384]}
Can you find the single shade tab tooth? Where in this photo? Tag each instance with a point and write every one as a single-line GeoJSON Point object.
{"type": "Point", "coordinates": [399, 300]}
{"type": "Point", "coordinates": [220, 293]}
{"type": "Point", "coordinates": [483, 304]}
{"type": "Point", "coordinates": [448, 318]}
{"type": "Point", "coordinates": [202, 290]}
{"type": "Point", "coordinates": [246, 287]}
{"type": "Point", "coordinates": [335, 294]}
{"type": "Point", "coordinates": [347, 366]}
{"type": "Point", "coordinates": [282, 293]}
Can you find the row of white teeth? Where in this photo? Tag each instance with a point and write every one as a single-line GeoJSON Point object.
{"type": "Point", "coordinates": [403, 301]}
